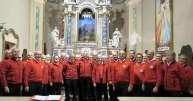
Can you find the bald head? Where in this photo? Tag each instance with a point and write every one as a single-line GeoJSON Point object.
{"type": "Point", "coordinates": [15, 53]}
{"type": "Point", "coordinates": [170, 56]}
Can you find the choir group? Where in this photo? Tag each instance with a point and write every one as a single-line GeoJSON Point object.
{"type": "Point", "coordinates": [86, 78]}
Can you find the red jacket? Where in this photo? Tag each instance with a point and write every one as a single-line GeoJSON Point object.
{"type": "Point", "coordinates": [57, 73]}
{"type": "Point", "coordinates": [71, 71]}
{"type": "Point", "coordinates": [85, 68]}
{"type": "Point", "coordinates": [172, 77]}
{"type": "Point", "coordinates": [33, 72]}
{"type": "Point", "coordinates": [100, 73]}
{"type": "Point", "coordinates": [111, 71]}
{"type": "Point", "coordinates": [187, 73]}
{"type": "Point", "coordinates": [47, 73]}
{"type": "Point", "coordinates": [3, 64]}
{"type": "Point", "coordinates": [11, 72]}
{"type": "Point", "coordinates": [138, 73]}
{"type": "Point", "coordinates": [152, 72]}
{"type": "Point", "coordinates": [124, 72]}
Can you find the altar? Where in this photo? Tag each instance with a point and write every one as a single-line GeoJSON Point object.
{"type": "Point", "coordinates": [86, 27]}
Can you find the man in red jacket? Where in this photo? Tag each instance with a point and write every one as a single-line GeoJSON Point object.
{"type": "Point", "coordinates": [71, 79]}
{"type": "Point", "coordinates": [100, 79]}
{"type": "Point", "coordinates": [173, 77]}
{"type": "Point", "coordinates": [85, 74]}
{"type": "Point", "coordinates": [138, 72]}
{"type": "Point", "coordinates": [152, 77]}
{"type": "Point", "coordinates": [4, 62]}
{"type": "Point", "coordinates": [33, 75]}
{"type": "Point", "coordinates": [46, 75]}
{"type": "Point", "coordinates": [111, 65]}
{"type": "Point", "coordinates": [187, 72]}
{"type": "Point", "coordinates": [57, 75]}
{"type": "Point", "coordinates": [12, 74]}
{"type": "Point", "coordinates": [123, 76]}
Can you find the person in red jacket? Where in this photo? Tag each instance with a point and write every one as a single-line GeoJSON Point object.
{"type": "Point", "coordinates": [57, 75]}
{"type": "Point", "coordinates": [187, 72]}
{"type": "Point", "coordinates": [71, 78]}
{"type": "Point", "coordinates": [138, 72]}
{"type": "Point", "coordinates": [173, 77]}
{"type": "Point", "coordinates": [158, 58]}
{"type": "Point", "coordinates": [100, 79]}
{"type": "Point", "coordinates": [123, 76]}
{"type": "Point", "coordinates": [27, 63]}
{"type": "Point", "coordinates": [85, 74]}
{"type": "Point", "coordinates": [152, 77]}
{"type": "Point", "coordinates": [4, 62]}
{"type": "Point", "coordinates": [12, 74]}
{"type": "Point", "coordinates": [33, 75]}
{"type": "Point", "coordinates": [112, 65]}
{"type": "Point", "coordinates": [46, 75]}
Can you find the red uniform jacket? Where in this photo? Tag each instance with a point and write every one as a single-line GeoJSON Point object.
{"type": "Point", "coordinates": [111, 71]}
{"type": "Point", "coordinates": [85, 68]}
{"type": "Point", "coordinates": [124, 72]}
{"type": "Point", "coordinates": [187, 73]}
{"type": "Point", "coordinates": [3, 64]}
{"type": "Point", "coordinates": [172, 77]}
{"type": "Point", "coordinates": [138, 73]}
{"type": "Point", "coordinates": [33, 72]}
{"type": "Point", "coordinates": [100, 73]}
{"type": "Point", "coordinates": [57, 73]}
{"type": "Point", "coordinates": [47, 73]}
{"type": "Point", "coordinates": [11, 72]}
{"type": "Point", "coordinates": [152, 72]}
{"type": "Point", "coordinates": [71, 71]}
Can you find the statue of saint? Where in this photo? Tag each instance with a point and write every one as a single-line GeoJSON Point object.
{"type": "Point", "coordinates": [116, 38]}
{"type": "Point", "coordinates": [55, 36]}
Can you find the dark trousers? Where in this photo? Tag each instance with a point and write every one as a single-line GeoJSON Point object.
{"type": "Point", "coordinates": [121, 89]}
{"type": "Point", "coordinates": [161, 91]}
{"type": "Point", "coordinates": [186, 94]}
{"type": "Point", "coordinates": [149, 89]}
{"type": "Point", "coordinates": [112, 94]}
{"type": "Point", "coordinates": [101, 90]}
{"type": "Point", "coordinates": [56, 88]}
{"type": "Point", "coordinates": [172, 93]}
{"type": "Point", "coordinates": [24, 93]}
{"type": "Point", "coordinates": [47, 89]}
{"type": "Point", "coordinates": [14, 90]}
{"type": "Point", "coordinates": [85, 86]}
{"type": "Point", "coordinates": [1, 90]}
{"type": "Point", "coordinates": [71, 89]}
{"type": "Point", "coordinates": [35, 88]}
{"type": "Point", "coordinates": [137, 91]}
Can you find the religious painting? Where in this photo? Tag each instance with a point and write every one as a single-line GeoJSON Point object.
{"type": "Point", "coordinates": [86, 26]}
{"type": "Point", "coordinates": [164, 25]}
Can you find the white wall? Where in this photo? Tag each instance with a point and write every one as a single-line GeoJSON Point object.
{"type": "Point", "coordinates": [15, 13]}
{"type": "Point", "coordinates": [148, 24]}
{"type": "Point", "coordinates": [182, 24]}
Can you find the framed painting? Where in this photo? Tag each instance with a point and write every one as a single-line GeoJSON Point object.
{"type": "Point", "coordinates": [164, 25]}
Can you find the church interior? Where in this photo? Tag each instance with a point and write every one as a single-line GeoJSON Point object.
{"type": "Point", "coordinates": [100, 30]}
